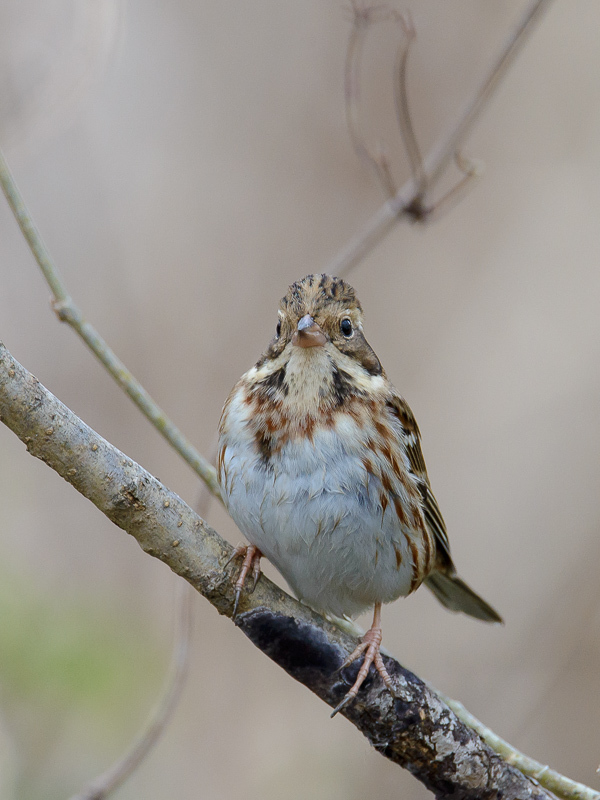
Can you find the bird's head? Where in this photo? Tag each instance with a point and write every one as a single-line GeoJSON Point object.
{"type": "Point", "coordinates": [318, 336]}
{"type": "Point", "coordinates": [321, 311]}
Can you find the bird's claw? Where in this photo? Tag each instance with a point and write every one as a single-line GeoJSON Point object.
{"type": "Point", "coordinates": [370, 646]}
{"type": "Point", "coordinates": [352, 657]}
{"type": "Point", "coordinates": [238, 593]}
{"type": "Point", "coordinates": [240, 550]}
{"type": "Point", "coordinates": [347, 698]}
{"type": "Point", "coordinates": [255, 571]}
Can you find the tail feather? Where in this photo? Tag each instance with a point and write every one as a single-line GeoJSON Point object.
{"type": "Point", "coordinates": [454, 593]}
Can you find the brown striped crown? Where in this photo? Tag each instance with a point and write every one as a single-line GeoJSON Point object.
{"type": "Point", "coordinates": [328, 300]}
{"type": "Point", "coordinates": [318, 293]}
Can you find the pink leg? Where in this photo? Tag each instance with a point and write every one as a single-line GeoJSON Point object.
{"type": "Point", "coordinates": [252, 556]}
{"type": "Point", "coordinates": [370, 645]}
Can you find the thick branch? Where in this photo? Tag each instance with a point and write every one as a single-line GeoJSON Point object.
{"type": "Point", "coordinates": [414, 729]}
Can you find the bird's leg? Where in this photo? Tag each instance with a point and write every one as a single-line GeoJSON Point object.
{"type": "Point", "coordinates": [369, 645]}
{"type": "Point", "coordinates": [252, 556]}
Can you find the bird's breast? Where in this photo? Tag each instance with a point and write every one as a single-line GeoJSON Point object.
{"type": "Point", "coordinates": [331, 505]}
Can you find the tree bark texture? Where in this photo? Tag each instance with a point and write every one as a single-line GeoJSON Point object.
{"type": "Point", "coordinates": [413, 728]}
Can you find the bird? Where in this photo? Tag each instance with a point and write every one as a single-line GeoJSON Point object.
{"type": "Point", "coordinates": [320, 465]}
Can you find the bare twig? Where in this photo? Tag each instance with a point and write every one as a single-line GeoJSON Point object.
{"type": "Point", "coordinates": [68, 312]}
{"type": "Point", "coordinates": [444, 153]}
{"type": "Point", "coordinates": [414, 728]}
{"type": "Point", "coordinates": [471, 170]}
{"type": "Point", "coordinates": [118, 773]}
{"type": "Point", "coordinates": [363, 18]}
{"type": "Point", "coordinates": [408, 203]}
{"type": "Point", "coordinates": [122, 769]}
{"type": "Point", "coordinates": [402, 107]}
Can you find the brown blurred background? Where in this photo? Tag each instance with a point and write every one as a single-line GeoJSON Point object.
{"type": "Point", "coordinates": [185, 161]}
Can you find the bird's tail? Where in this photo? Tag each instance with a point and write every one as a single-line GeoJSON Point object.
{"type": "Point", "coordinates": [454, 593]}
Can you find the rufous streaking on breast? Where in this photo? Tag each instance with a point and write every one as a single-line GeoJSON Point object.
{"type": "Point", "coordinates": [321, 467]}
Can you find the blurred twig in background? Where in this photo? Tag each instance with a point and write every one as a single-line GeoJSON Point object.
{"type": "Point", "coordinates": [362, 20]}
{"type": "Point", "coordinates": [118, 773]}
{"type": "Point", "coordinates": [412, 201]}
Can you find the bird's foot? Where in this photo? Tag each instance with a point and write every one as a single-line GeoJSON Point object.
{"type": "Point", "coordinates": [252, 556]}
{"type": "Point", "coordinates": [370, 646]}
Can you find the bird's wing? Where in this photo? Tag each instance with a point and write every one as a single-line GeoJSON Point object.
{"type": "Point", "coordinates": [412, 440]}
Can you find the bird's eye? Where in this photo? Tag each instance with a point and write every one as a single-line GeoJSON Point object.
{"type": "Point", "coordinates": [278, 329]}
{"type": "Point", "coordinates": [346, 327]}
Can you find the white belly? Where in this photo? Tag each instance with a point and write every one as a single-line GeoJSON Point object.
{"type": "Point", "coordinates": [314, 512]}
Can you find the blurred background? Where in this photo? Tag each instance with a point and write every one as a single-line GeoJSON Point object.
{"type": "Point", "coordinates": [185, 162]}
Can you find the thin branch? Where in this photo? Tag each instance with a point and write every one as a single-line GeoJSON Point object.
{"type": "Point", "coordinates": [374, 230]}
{"type": "Point", "coordinates": [68, 312]}
{"type": "Point", "coordinates": [402, 107]}
{"type": "Point", "coordinates": [414, 728]}
{"type": "Point", "coordinates": [363, 18]}
{"type": "Point", "coordinates": [407, 204]}
{"type": "Point", "coordinates": [118, 773]}
{"type": "Point", "coordinates": [444, 153]}
{"type": "Point", "coordinates": [471, 170]}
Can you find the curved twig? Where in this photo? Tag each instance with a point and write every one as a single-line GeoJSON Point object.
{"type": "Point", "coordinates": [363, 18]}
{"type": "Point", "coordinates": [165, 707]}
{"type": "Point", "coordinates": [118, 773]}
{"type": "Point", "coordinates": [471, 170]}
{"type": "Point", "coordinates": [403, 114]}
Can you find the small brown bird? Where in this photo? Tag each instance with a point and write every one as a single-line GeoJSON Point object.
{"type": "Point", "coordinates": [320, 466]}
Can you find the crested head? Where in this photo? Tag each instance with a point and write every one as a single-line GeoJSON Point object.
{"type": "Point", "coordinates": [319, 344]}
{"type": "Point", "coordinates": [320, 294]}
{"type": "Point", "coordinates": [332, 305]}
{"type": "Point", "coordinates": [322, 309]}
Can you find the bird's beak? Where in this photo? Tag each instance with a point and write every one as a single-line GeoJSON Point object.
{"type": "Point", "coordinates": [308, 333]}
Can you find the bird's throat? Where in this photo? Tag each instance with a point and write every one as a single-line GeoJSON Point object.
{"type": "Point", "coordinates": [308, 380]}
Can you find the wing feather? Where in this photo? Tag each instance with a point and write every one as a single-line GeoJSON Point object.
{"type": "Point", "coordinates": [433, 516]}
